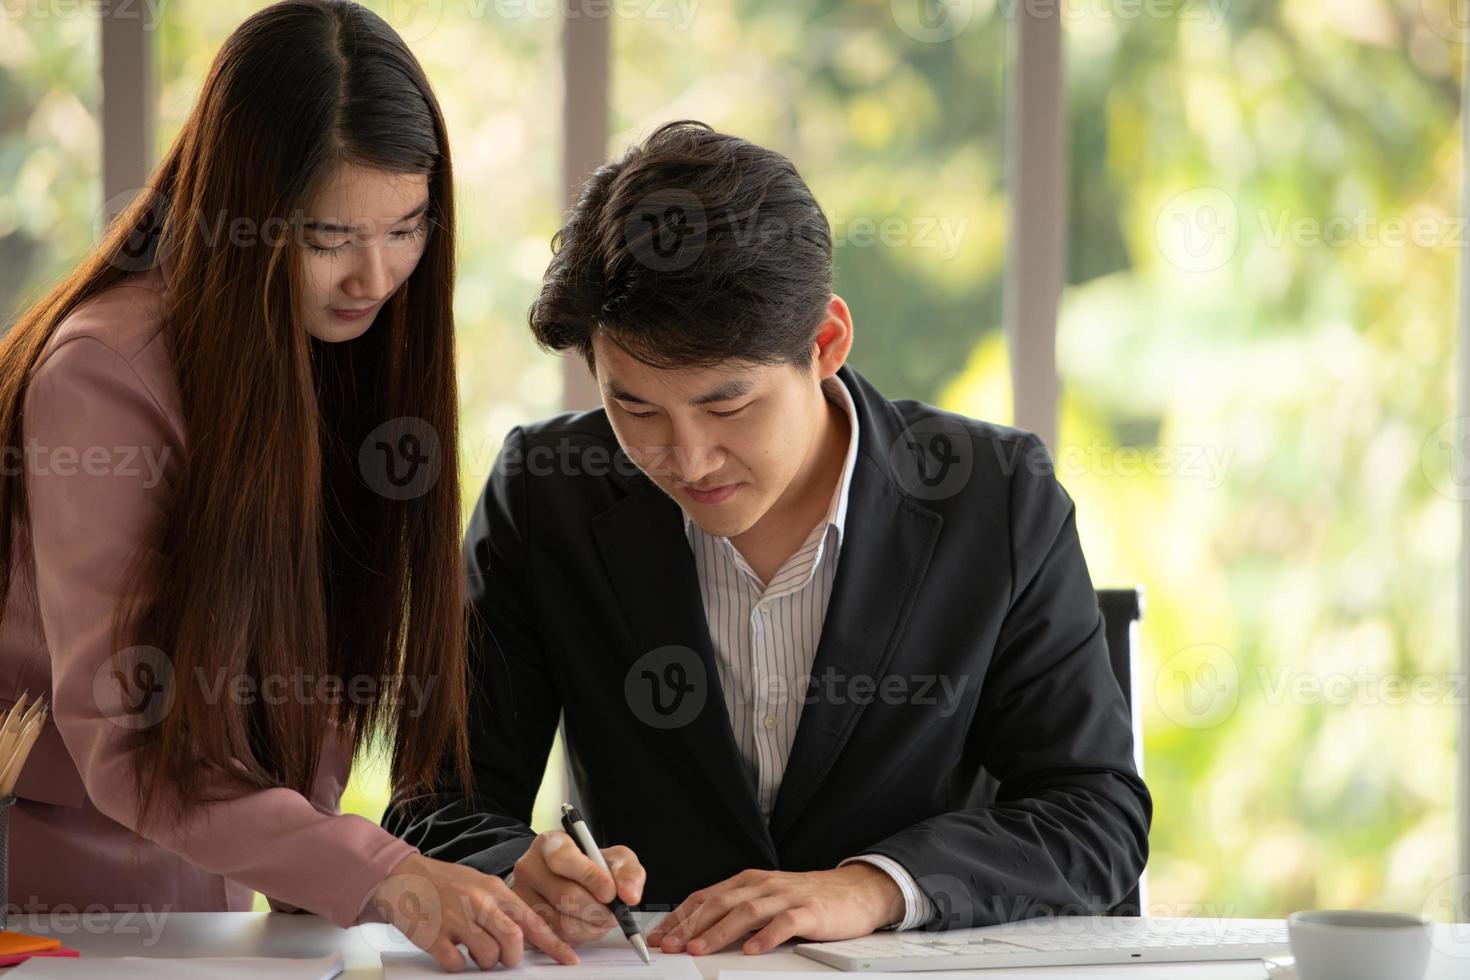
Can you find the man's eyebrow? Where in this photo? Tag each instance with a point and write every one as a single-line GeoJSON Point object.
{"type": "Point", "coordinates": [725, 392]}
{"type": "Point", "coordinates": [616, 392]}
{"type": "Point", "coordinates": [332, 227]}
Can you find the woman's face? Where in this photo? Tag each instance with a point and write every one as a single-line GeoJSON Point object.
{"type": "Point", "coordinates": [364, 234]}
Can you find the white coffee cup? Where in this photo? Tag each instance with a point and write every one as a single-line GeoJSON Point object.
{"type": "Point", "coordinates": [1340, 944]}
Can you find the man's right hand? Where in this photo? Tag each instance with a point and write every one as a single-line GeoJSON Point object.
{"type": "Point", "coordinates": [571, 893]}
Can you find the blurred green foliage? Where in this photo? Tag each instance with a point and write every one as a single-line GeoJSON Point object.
{"type": "Point", "coordinates": [1307, 346]}
{"type": "Point", "coordinates": [50, 150]}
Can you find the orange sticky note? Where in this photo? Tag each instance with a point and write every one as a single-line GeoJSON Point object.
{"type": "Point", "coordinates": [12, 959]}
{"type": "Point", "coordinates": [19, 942]}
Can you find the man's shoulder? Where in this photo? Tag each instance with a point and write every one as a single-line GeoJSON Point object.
{"type": "Point", "coordinates": [985, 452]}
{"type": "Point", "coordinates": [573, 453]}
{"type": "Point", "coordinates": [589, 426]}
{"type": "Point", "coordinates": [979, 476]}
{"type": "Point", "coordinates": [916, 413]}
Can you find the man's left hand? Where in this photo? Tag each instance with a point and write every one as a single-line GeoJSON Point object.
{"type": "Point", "coordinates": [844, 903]}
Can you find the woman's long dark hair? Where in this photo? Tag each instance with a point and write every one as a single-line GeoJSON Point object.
{"type": "Point", "coordinates": [276, 558]}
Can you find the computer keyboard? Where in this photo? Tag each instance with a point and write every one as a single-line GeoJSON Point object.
{"type": "Point", "coordinates": [1074, 940]}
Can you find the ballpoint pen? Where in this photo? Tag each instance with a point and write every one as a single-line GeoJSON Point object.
{"type": "Point", "coordinates": [577, 828]}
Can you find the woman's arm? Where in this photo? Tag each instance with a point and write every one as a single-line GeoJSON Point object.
{"type": "Point", "coordinates": [100, 455]}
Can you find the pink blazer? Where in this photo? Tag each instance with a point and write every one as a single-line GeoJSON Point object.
{"type": "Point", "coordinates": [104, 439]}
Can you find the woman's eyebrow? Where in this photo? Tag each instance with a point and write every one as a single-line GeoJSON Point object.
{"type": "Point", "coordinates": [423, 206]}
{"type": "Point", "coordinates": [332, 226]}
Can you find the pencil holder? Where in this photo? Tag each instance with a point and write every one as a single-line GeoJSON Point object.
{"type": "Point", "coordinates": [6, 802]}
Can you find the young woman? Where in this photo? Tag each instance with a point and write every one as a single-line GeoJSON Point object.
{"type": "Point", "coordinates": [229, 509]}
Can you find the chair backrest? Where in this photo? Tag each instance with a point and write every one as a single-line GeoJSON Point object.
{"type": "Point", "coordinates": [1121, 610]}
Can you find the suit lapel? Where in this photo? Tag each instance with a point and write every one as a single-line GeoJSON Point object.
{"type": "Point", "coordinates": [887, 543]}
{"type": "Point", "coordinates": [651, 567]}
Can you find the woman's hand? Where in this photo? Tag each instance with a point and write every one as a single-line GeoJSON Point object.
{"type": "Point", "coordinates": [439, 906]}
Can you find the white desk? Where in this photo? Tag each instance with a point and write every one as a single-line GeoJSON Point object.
{"type": "Point", "coordinates": [274, 934]}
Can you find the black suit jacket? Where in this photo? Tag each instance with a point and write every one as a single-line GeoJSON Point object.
{"type": "Point", "coordinates": [960, 566]}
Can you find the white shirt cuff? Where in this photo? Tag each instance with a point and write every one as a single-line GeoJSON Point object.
{"type": "Point", "coordinates": [918, 908]}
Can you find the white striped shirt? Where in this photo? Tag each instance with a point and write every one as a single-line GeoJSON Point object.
{"type": "Point", "coordinates": [765, 639]}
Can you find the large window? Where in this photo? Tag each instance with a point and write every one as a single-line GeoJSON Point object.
{"type": "Point", "coordinates": [1256, 351]}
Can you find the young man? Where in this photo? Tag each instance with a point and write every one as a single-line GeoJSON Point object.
{"type": "Point", "coordinates": [789, 624]}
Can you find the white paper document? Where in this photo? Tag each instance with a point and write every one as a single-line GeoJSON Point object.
{"type": "Point", "coordinates": [598, 963]}
{"type": "Point", "coordinates": [1243, 970]}
{"type": "Point", "coordinates": [184, 968]}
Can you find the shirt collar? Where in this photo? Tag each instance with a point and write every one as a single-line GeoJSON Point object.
{"type": "Point", "coordinates": [836, 391]}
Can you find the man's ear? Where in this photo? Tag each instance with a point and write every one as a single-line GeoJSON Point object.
{"type": "Point", "coordinates": [834, 339]}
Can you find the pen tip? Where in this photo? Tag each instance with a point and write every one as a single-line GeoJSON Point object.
{"type": "Point", "coordinates": [642, 948]}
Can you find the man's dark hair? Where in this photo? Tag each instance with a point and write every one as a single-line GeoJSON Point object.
{"type": "Point", "coordinates": [695, 248]}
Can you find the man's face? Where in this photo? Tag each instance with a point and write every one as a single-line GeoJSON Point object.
{"type": "Point", "coordinates": [725, 442]}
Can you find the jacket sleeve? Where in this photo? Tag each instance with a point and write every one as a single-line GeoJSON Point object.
{"type": "Point", "coordinates": [1068, 830]}
{"type": "Point", "coordinates": [90, 423]}
{"type": "Point", "coordinates": [515, 706]}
